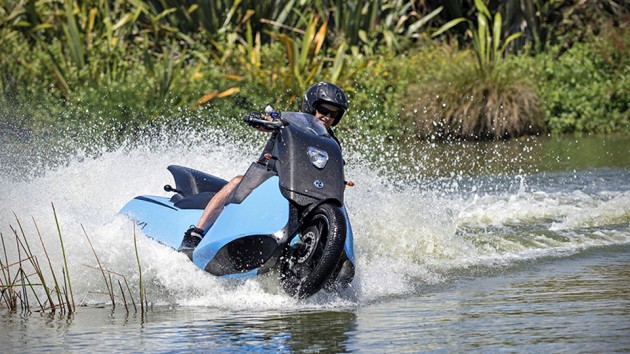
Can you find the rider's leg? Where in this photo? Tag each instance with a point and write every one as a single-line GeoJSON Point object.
{"type": "Point", "coordinates": [216, 204]}
{"type": "Point", "coordinates": [194, 234]}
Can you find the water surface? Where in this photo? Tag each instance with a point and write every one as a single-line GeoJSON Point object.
{"type": "Point", "coordinates": [518, 246]}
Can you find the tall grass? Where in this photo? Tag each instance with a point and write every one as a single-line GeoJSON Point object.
{"type": "Point", "coordinates": [457, 101]}
{"type": "Point", "coordinates": [143, 297]}
{"type": "Point", "coordinates": [68, 283]}
{"type": "Point", "coordinates": [488, 43]}
{"type": "Point", "coordinates": [17, 293]}
{"type": "Point", "coordinates": [110, 291]}
{"type": "Point", "coordinates": [23, 280]}
{"type": "Point", "coordinates": [481, 101]}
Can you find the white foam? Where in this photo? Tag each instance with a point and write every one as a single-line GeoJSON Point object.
{"type": "Point", "coordinates": [405, 236]}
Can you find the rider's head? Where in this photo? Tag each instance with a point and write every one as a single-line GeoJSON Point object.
{"type": "Point", "coordinates": [326, 100]}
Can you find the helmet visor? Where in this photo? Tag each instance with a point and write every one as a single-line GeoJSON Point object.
{"type": "Point", "coordinates": [328, 110]}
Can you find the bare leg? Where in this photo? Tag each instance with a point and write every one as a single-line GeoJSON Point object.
{"type": "Point", "coordinates": [193, 235]}
{"type": "Point", "coordinates": [216, 204]}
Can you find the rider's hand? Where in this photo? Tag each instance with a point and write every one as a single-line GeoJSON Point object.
{"type": "Point", "coordinates": [247, 118]}
{"type": "Point", "coordinates": [250, 118]}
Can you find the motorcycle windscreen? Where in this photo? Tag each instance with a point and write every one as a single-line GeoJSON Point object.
{"type": "Point", "coordinates": [160, 219]}
{"type": "Point", "coordinates": [299, 175]}
{"type": "Point", "coordinates": [242, 237]}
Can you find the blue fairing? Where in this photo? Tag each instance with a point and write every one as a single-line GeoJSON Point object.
{"type": "Point", "coordinates": [265, 211]}
{"type": "Point", "coordinates": [158, 218]}
{"type": "Point", "coordinates": [349, 245]}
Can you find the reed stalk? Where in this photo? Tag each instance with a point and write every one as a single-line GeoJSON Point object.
{"type": "Point", "coordinates": [111, 286]}
{"type": "Point", "coordinates": [110, 291]}
{"type": "Point", "coordinates": [24, 294]}
{"type": "Point", "coordinates": [52, 271]}
{"type": "Point", "coordinates": [122, 292]}
{"type": "Point", "coordinates": [3, 286]}
{"type": "Point", "coordinates": [19, 275]}
{"type": "Point", "coordinates": [32, 287]}
{"type": "Point", "coordinates": [20, 285]}
{"type": "Point", "coordinates": [133, 302]}
{"type": "Point", "coordinates": [24, 279]}
{"type": "Point", "coordinates": [33, 259]}
{"type": "Point", "coordinates": [15, 286]}
{"type": "Point", "coordinates": [142, 293]}
{"type": "Point", "coordinates": [65, 261]}
{"type": "Point", "coordinates": [34, 263]}
{"type": "Point", "coordinates": [17, 281]}
{"type": "Point", "coordinates": [19, 296]}
{"type": "Point", "coordinates": [65, 291]}
{"type": "Point", "coordinates": [6, 274]}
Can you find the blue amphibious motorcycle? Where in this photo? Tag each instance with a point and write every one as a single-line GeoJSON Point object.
{"type": "Point", "coordinates": [287, 215]}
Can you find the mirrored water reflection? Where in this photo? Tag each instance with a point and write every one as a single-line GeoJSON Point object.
{"type": "Point", "coordinates": [580, 304]}
{"type": "Point", "coordinates": [527, 155]}
{"type": "Point", "coordinates": [504, 246]}
{"type": "Point", "coordinates": [576, 305]}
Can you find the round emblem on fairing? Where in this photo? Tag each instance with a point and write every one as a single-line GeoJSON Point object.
{"type": "Point", "coordinates": [319, 184]}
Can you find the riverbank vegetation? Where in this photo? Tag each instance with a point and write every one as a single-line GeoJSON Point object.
{"type": "Point", "coordinates": [449, 69]}
{"type": "Point", "coordinates": [29, 282]}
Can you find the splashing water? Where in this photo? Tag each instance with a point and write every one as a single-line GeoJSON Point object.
{"type": "Point", "coordinates": [412, 228]}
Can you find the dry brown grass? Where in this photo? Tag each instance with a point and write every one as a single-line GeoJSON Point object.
{"type": "Point", "coordinates": [456, 101]}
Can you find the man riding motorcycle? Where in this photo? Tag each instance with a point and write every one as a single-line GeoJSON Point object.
{"type": "Point", "coordinates": [326, 101]}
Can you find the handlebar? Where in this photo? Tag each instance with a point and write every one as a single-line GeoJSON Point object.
{"type": "Point", "coordinates": [271, 124]}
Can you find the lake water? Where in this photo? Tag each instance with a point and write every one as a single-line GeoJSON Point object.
{"type": "Point", "coordinates": [490, 247]}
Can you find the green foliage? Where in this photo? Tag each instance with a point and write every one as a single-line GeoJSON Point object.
{"type": "Point", "coordinates": [487, 103]}
{"type": "Point", "coordinates": [375, 96]}
{"type": "Point", "coordinates": [563, 23]}
{"type": "Point", "coordinates": [453, 99]}
{"type": "Point", "coordinates": [585, 89]}
{"type": "Point", "coordinates": [73, 44]}
{"type": "Point", "coordinates": [486, 35]}
{"type": "Point", "coordinates": [368, 25]}
{"type": "Point", "coordinates": [119, 67]}
{"type": "Point", "coordinates": [546, 22]}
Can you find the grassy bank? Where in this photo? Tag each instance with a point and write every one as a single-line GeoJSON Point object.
{"type": "Point", "coordinates": [115, 69]}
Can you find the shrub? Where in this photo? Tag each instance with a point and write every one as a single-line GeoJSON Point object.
{"type": "Point", "coordinates": [476, 99]}
{"type": "Point", "coordinates": [453, 99]}
{"type": "Point", "coordinates": [586, 88]}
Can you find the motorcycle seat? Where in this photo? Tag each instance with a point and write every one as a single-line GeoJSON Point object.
{"type": "Point", "coordinates": [191, 182]}
{"type": "Point", "coordinates": [195, 201]}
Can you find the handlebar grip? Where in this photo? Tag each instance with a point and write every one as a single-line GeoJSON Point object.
{"type": "Point", "coordinates": [274, 123]}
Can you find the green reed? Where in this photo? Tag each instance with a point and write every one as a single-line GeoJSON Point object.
{"type": "Point", "coordinates": [17, 285]}
{"type": "Point", "coordinates": [143, 298]}
{"type": "Point", "coordinates": [33, 261]}
{"type": "Point", "coordinates": [110, 291]}
{"type": "Point", "coordinates": [107, 277]}
{"type": "Point", "coordinates": [52, 271]}
{"type": "Point", "coordinates": [23, 281]}
{"type": "Point", "coordinates": [67, 282]}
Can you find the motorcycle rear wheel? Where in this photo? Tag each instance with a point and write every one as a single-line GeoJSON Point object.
{"type": "Point", "coordinates": [307, 265]}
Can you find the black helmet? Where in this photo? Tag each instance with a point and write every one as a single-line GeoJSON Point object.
{"type": "Point", "coordinates": [325, 92]}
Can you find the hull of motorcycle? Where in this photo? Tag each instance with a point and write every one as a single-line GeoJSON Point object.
{"type": "Point", "coordinates": [246, 239]}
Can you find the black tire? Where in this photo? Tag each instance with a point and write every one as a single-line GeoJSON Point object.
{"type": "Point", "coordinates": [307, 266]}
